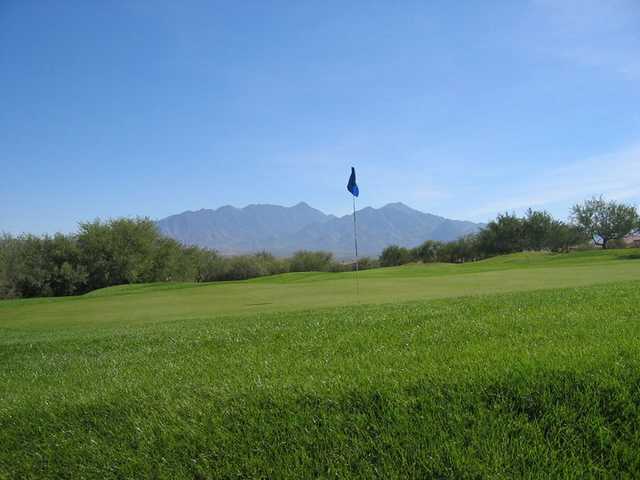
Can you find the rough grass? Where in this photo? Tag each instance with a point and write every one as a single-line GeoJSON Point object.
{"type": "Point", "coordinates": [537, 384]}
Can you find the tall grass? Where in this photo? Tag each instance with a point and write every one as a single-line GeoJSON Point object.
{"type": "Point", "coordinates": [539, 384]}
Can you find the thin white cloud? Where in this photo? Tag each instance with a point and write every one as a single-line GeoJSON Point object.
{"type": "Point", "coordinates": [592, 33]}
{"type": "Point", "coordinates": [615, 175]}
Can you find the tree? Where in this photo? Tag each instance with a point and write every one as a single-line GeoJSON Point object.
{"type": "Point", "coordinates": [603, 220]}
{"type": "Point", "coordinates": [366, 263]}
{"type": "Point", "coordinates": [311, 261]}
{"type": "Point", "coordinates": [543, 232]}
{"type": "Point", "coordinates": [270, 264]}
{"type": "Point", "coordinates": [427, 251]}
{"type": "Point", "coordinates": [33, 266]}
{"type": "Point", "coordinates": [62, 260]}
{"type": "Point", "coordinates": [503, 235]}
{"type": "Point", "coordinates": [562, 236]}
{"type": "Point", "coordinates": [394, 255]}
{"type": "Point", "coordinates": [205, 265]}
{"type": "Point", "coordinates": [169, 262]}
{"type": "Point", "coordinates": [537, 229]}
{"type": "Point", "coordinates": [463, 249]}
{"type": "Point", "coordinates": [118, 251]}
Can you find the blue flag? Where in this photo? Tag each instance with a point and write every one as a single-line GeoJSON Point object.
{"type": "Point", "coordinates": [352, 186]}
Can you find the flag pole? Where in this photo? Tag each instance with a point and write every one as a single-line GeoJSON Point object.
{"type": "Point", "coordinates": [355, 242]}
{"type": "Point", "coordinates": [352, 187]}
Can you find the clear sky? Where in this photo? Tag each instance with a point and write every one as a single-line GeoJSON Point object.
{"type": "Point", "coordinates": [463, 109]}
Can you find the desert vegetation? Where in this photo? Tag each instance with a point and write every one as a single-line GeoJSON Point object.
{"type": "Point", "coordinates": [128, 251]}
{"type": "Point", "coordinates": [594, 223]}
{"type": "Point", "coordinates": [132, 251]}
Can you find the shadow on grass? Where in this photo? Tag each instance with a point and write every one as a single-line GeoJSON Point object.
{"type": "Point", "coordinates": [630, 256]}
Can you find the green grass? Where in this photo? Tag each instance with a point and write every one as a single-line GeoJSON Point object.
{"type": "Point", "coordinates": [520, 366]}
{"type": "Point", "coordinates": [143, 304]}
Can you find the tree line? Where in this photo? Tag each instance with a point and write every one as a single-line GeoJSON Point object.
{"type": "Point", "coordinates": [594, 222]}
{"type": "Point", "coordinates": [123, 251]}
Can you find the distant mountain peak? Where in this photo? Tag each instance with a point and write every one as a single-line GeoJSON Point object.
{"type": "Point", "coordinates": [283, 230]}
{"type": "Point", "coordinates": [224, 208]}
{"type": "Point", "coordinates": [397, 205]}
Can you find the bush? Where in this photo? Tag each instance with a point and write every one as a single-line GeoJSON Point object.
{"type": "Point", "coordinates": [563, 236]}
{"type": "Point", "coordinates": [337, 267]}
{"type": "Point", "coordinates": [367, 263]}
{"type": "Point", "coordinates": [505, 234]}
{"type": "Point", "coordinates": [31, 266]}
{"type": "Point", "coordinates": [207, 265]}
{"type": "Point", "coordinates": [464, 249]}
{"type": "Point", "coordinates": [118, 251]}
{"type": "Point", "coordinates": [243, 267]}
{"type": "Point", "coordinates": [271, 264]}
{"type": "Point", "coordinates": [169, 262]}
{"type": "Point", "coordinates": [125, 251]}
{"type": "Point", "coordinates": [394, 255]}
{"type": "Point", "coordinates": [427, 252]}
{"type": "Point", "coordinates": [307, 261]}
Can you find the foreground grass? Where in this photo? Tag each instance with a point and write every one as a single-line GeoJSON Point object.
{"type": "Point", "coordinates": [526, 384]}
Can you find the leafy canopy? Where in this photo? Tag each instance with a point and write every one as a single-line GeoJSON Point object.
{"type": "Point", "coordinates": [605, 220]}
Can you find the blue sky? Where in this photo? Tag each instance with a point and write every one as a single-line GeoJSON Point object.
{"type": "Point", "coordinates": [463, 109]}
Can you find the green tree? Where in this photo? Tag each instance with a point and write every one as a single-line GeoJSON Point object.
{"type": "Point", "coordinates": [503, 235]}
{"type": "Point", "coordinates": [367, 263]}
{"type": "Point", "coordinates": [537, 228]}
{"type": "Point", "coordinates": [427, 252]}
{"type": "Point", "coordinates": [118, 251]}
{"type": "Point", "coordinates": [563, 236]}
{"type": "Point", "coordinates": [33, 266]}
{"type": "Point", "coordinates": [207, 265]}
{"type": "Point", "coordinates": [463, 249]}
{"type": "Point", "coordinates": [61, 256]}
{"type": "Point", "coordinates": [270, 264]}
{"type": "Point", "coordinates": [168, 262]}
{"type": "Point", "coordinates": [603, 221]}
{"type": "Point", "coordinates": [311, 261]}
{"type": "Point", "coordinates": [23, 272]}
{"type": "Point", "coordinates": [394, 255]}
{"type": "Point", "coordinates": [243, 267]}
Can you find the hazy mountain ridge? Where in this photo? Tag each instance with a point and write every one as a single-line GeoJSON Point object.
{"type": "Point", "coordinates": [283, 230]}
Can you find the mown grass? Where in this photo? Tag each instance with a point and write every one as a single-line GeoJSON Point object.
{"type": "Point", "coordinates": [143, 304]}
{"type": "Point", "coordinates": [537, 384]}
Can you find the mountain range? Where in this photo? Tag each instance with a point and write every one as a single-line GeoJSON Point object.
{"type": "Point", "coordinates": [284, 230]}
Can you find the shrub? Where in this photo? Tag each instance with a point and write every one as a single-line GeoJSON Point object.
{"type": "Point", "coordinates": [207, 264]}
{"type": "Point", "coordinates": [505, 234]}
{"type": "Point", "coordinates": [394, 255]}
{"type": "Point", "coordinates": [464, 249]}
{"type": "Point", "coordinates": [427, 252]}
{"type": "Point", "coordinates": [271, 264]}
{"type": "Point", "coordinates": [243, 267]}
{"type": "Point", "coordinates": [32, 266]}
{"type": "Point", "coordinates": [118, 251]}
{"type": "Point", "coordinates": [367, 263]}
{"type": "Point", "coordinates": [308, 261]}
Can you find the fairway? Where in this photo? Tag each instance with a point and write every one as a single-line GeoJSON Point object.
{"type": "Point", "coordinates": [520, 366]}
{"type": "Point", "coordinates": [133, 304]}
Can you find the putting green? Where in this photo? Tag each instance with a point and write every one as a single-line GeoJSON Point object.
{"type": "Point", "coordinates": [134, 304]}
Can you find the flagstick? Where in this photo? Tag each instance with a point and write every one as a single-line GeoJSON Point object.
{"type": "Point", "coordinates": [355, 241]}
